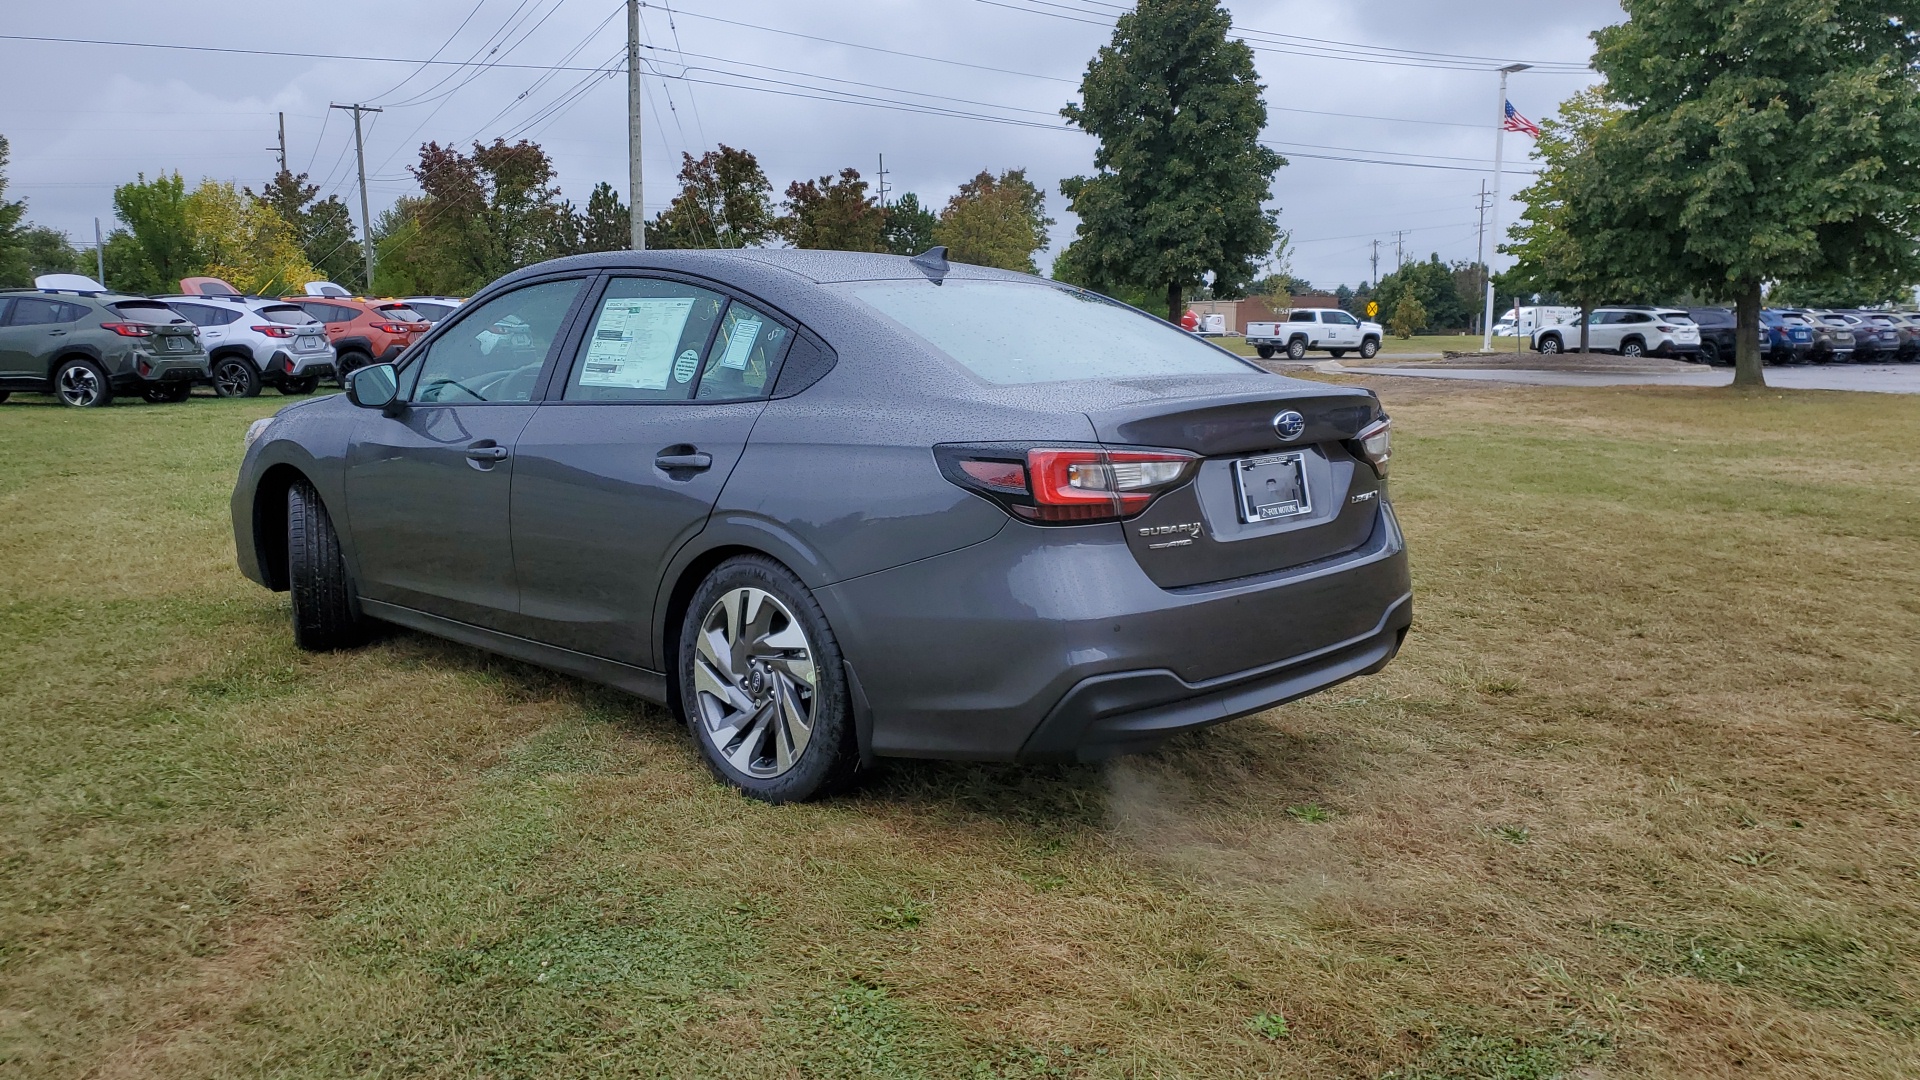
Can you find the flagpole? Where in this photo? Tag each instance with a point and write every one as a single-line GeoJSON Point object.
{"type": "Point", "coordinates": [1499, 145]}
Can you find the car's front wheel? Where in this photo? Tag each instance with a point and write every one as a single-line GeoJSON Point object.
{"type": "Point", "coordinates": [1337, 353]}
{"type": "Point", "coordinates": [1549, 345]}
{"type": "Point", "coordinates": [234, 377]}
{"type": "Point", "coordinates": [1369, 348]}
{"type": "Point", "coordinates": [763, 686]}
{"type": "Point", "coordinates": [326, 610]}
{"type": "Point", "coordinates": [1710, 353]}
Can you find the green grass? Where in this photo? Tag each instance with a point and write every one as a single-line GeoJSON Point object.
{"type": "Point", "coordinates": [1639, 798]}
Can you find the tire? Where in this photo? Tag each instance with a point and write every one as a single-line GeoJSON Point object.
{"type": "Point", "coordinates": [81, 384]}
{"type": "Point", "coordinates": [4, 395]}
{"type": "Point", "coordinates": [300, 386]}
{"type": "Point", "coordinates": [1266, 351]}
{"type": "Point", "coordinates": [326, 610]}
{"type": "Point", "coordinates": [1549, 345]}
{"type": "Point", "coordinates": [167, 393]}
{"type": "Point", "coordinates": [347, 361]}
{"type": "Point", "coordinates": [1369, 348]}
{"type": "Point", "coordinates": [761, 725]}
{"type": "Point", "coordinates": [1633, 347]}
{"type": "Point", "coordinates": [1336, 353]}
{"type": "Point", "coordinates": [235, 376]}
{"type": "Point", "coordinates": [1710, 353]}
{"type": "Point", "coordinates": [1297, 349]}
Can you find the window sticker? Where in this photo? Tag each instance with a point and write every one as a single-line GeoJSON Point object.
{"type": "Point", "coordinates": [684, 367]}
{"type": "Point", "coordinates": [634, 341]}
{"type": "Point", "coordinates": [740, 344]}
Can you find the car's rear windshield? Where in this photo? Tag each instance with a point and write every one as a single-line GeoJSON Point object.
{"type": "Point", "coordinates": [401, 313]}
{"type": "Point", "coordinates": [1676, 317]}
{"type": "Point", "coordinates": [147, 311]}
{"type": "Point", "coordinates": [1016, 332]}
{"type": "Point", "coordinates": [288, 314]}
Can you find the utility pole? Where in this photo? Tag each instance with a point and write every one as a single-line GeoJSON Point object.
{"type": "Point", "coordinates": [1376, 265]}
{"type": "Point", "coordinates": [635, 188]}
{"type": "Point", "coordinates": [1399, 250]}
{"type": "Point", "coordinates": [882, 187]}
{"type": "Point", "coordinates": [99, 253]}
{"type": "Point", "coordinates": [1499, 144]}
{"type": "Point", "coordinates": [282, 148]}
{"type": "Point", "coordinates": [366, 215]}
{"type": "Point", "coordinates": [1480, 245]}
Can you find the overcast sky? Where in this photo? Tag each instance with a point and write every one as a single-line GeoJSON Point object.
{"type": "Point", "coordinates": [1392, 80]}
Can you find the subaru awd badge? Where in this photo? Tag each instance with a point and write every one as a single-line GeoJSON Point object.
{"type": "Point", "coordinates": [1288, 425]}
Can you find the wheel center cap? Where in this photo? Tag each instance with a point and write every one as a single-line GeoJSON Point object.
{"type": "Point", "coordinates": [757, 680]}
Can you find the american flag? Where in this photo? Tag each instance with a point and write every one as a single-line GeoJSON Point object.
{"type": "Point", "coordinates": [1516, 122]}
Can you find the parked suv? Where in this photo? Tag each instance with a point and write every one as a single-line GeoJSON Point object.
{"type": "Point", "coordinates": [1331, 329]}
{"type": "Point", "coordinates": [252, 341]}
{"type": "Point", "coordinates": [72, 338]}
{"type": "Point", "coordinates": [1894, 338]}
{"type": "Point", "coordinates": [1787, 337]}
{"type": "Point", "coordinates": [363, 331]}
{"type": "Point", "coordinates": [1629, 331]}
{"type": "Point", "coordinates": [1871, 342]}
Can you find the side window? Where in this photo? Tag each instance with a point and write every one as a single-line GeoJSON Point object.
{"type": "Point", "coordinates": [744, 356]}
{"type": "Point", "coordinates": [6, 306]}
{"type": "Point", "coordinates": [1342, 318]}
{"type": "Point", "coordinates": [495, 352]}
{"type": "Point", "coordinates": [645, 342]}
{"type": "Point", "coordinates": [224, 316]}
{"type": "Point", "coordinates": [196, 314]}
{"type": "Point", "coordinates": [339, 314]}
{"type": "Point", "coordinates": [33, 311]}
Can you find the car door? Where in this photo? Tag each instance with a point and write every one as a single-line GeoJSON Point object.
{"type": "Point", "coordinates": [624, 462]}
{"type": "Point", "coordinates": [14, 365]}
{"type": "Point", "coordinates": [428, 486]}
{"type": "Point", "coordinates": [37, 329]}
{"type": "Point", "coordinates": [1344, 329]}
{"type": "Point", "coordinates": [1603, 330]}
{"type": "Point", "coordinates": [334, 317]}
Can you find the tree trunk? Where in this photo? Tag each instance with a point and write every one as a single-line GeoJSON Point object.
{"type": "Point", "coordinates": [1747, 368]}
{"type": "Point", "coordinates": [1173, 302]}
{"type": "Point", "coordinates": [1586, 313]}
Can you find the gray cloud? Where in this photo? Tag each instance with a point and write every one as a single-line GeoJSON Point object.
{"type": "Point", "coordinates": [84, 117]}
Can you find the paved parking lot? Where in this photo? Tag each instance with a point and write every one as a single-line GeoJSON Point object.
{"type": "Point", "coordinates": [1871, 378]}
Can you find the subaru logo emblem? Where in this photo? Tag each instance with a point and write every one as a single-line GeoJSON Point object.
{"type": "Point", "coordinates": [1288, 425]}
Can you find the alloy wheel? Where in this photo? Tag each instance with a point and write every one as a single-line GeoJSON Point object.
{"type": "Point", "coordinates": [231, 380]}
{"type": "Point", "coordinates": [754, 682]}
{"type": "Point", "coordinates": [79, 385]}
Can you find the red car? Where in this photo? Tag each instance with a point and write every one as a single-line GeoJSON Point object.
{"type": "Point", "coordinates": [364, 331]}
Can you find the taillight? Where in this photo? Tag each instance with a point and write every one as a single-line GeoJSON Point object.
{"type": "Point", "coordinates": [128, 329]}
{"type": "Point", "coordinates": [1067, 485]}
{"type": "Point", "coordinates": [393, 327]}
{"type": "Point", "coordinates": [1375, 443]}
{"type": "Point", "coordinates": [1664, 329]}
{"type": "Point", "coordinates": [274, 331]}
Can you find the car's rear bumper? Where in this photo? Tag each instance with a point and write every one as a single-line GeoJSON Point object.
{"type": "Point", "coordinates": [293, 365]}
{"type": "Point", "coordinates": [1053, 643]}
{"type": "Point", "coordinates": [149, 369]}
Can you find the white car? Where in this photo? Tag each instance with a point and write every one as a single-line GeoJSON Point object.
{"type": "Point", "coordinates": [253, 342]}
{"type": "Point", "coordinates": [433, 308]}
{"type": "Point", "coordinates": [1628, 330]}
{"type": "Point", "coordinates": [1330, 329]}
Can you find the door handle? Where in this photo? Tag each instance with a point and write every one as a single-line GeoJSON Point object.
{"type": "Point", "coordinates": [487, 453]}
{"type": "Point", "coordinates": [694, 461]}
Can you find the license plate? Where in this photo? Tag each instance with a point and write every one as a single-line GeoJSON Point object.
{"type": "Point", "coordinates": [306, 344]}
{"type": "Point", "coordinates": [176, 343]}
{"type": "Point", "coordinates": [1272, 487]}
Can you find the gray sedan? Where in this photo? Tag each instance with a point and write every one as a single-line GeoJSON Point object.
{"type": "Point", "coordinates": [830, 506]}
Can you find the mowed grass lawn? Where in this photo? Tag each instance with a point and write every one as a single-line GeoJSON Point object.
{"type": "Point", "coordinates": [1641, 797]}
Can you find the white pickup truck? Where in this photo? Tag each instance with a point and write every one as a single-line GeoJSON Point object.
{"type": "Point", "coordinates": [1329, 329]}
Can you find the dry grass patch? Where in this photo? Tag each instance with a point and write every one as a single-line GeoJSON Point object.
{"type": "Point", "coordinates": [1638, 799]}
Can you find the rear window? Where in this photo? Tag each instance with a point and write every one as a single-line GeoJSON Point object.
{"type": "Point", "coordinates": [286, 314]}
{"type": "Point", "coordinates": [401, 313]}
{"type": "Point", "coordinates": [146, 311]}
{"type": "Point", "coordinates": [1013, 332]}
{"type": "Point", "coordinates": [1676, 318]}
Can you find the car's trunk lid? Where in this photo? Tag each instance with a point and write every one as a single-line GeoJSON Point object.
{"type": "Point", "coordinates": [1262, 501]}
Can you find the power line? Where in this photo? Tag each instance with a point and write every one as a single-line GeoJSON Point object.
{"type": "Point", "coordinates": [282, 53]}
{"type": "Point", "coordinates": [436, 53]}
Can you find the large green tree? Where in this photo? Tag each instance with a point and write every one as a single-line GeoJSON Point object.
{"type": "Point", "coordinates": [322, 227]}
{"type": "Point", "coordinates": [725, 201]}
{"type": "Point", "coordinates": [834, 213]}
{"type": "Point", "coordinates": [607, 223]}
{"type": "Point", "coordinates": [155, 246]}
{"type": "Point", "coordinates": [481, 215]}
{"type": "Point", "coordinates": [1762, 140]}
{"type": "Point", "coordinates": [1436, 293]}
{"type": "Point", "coordinates": [995, 221]}
{"type": "Point", "coordinates": [1183, 178]}
{"type": "Point", "coordinates": [909, 228]}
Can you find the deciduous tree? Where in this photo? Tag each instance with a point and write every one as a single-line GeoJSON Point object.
{"type": "Point", "coordinates": [243, 241]}
{"type": "Point", "coordinates": [483, 215]}
{"type": "Point", "coordinates": [834, 213]}
{"type": "Point", "coordinates": [322, 227]}
{"type": "Point", "coordinates": [725, 201]}
{"type": "Point", "coordinates": [995, 221]}
{"type": "Point", "coordinates": [1183, 176]}
{"type": "Point", "coordinates": [1766, 140]}
{"type": "Point", "coordinates": [154, 248]}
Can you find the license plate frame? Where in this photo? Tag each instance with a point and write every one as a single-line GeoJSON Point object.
{"type": "Point", "coordinates": [1259, 490]}
{"type": "Point", "coordinates": [175, 343]}
{"type": "Point", "coordinates": [307, 343]}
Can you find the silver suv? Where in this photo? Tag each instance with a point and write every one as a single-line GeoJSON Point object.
{"type": "Point", "coordinates": [1628, 330]}
{"type": "Point", "coordinates": [253, 342]}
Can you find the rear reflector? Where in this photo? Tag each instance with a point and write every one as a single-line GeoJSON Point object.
{"type": "Point", "coordinates": [1066, 485]}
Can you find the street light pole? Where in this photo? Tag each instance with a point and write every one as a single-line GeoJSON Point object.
{"type": "Point", "coordinates": [1499, 145]}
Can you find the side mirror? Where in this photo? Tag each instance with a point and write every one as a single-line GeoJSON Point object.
{"type": "Point", "coordinates": [376, 386]}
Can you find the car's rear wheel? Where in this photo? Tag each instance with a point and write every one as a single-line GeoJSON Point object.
{"type": "Point", "coordinates": [1369, 349]}
{"type": "Point", "coordinates": [1633, 347]}
{"type": "Point", "coordinates": [762, 684]}
{"type": "Point", "coordinates": [326, 610]}
{"type": "Point", "coordinates": [348, 360]}
{"type": "Point", "coordinates": [297, 387]}
{"type": "Point", "coordinates": [167, 393]}
{"type": "Point", "coordinates": [1266, 351]}
{"type": "Point", "coordinates": [1710, 353]}
{"type": "Point", "coordinates": [234, 377]}
{"type": "Point", "coordinates": [1297, 349]}
{"type": "Point", "coordinates": [81, 384]}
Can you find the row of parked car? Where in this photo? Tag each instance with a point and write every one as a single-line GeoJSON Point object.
{"type": "Point", "coordinates": [72, 337]}
{"type": "Point", "coordinates": [1708, 334]}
